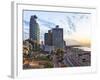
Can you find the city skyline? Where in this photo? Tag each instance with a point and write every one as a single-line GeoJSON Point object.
{"type": "Point", "coordinates": [56, 39]}
{"type": "Point", "coordinates": [76, 25]}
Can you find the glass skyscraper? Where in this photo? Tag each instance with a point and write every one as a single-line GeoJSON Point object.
{"type": "Point", "coordinates": [34, 29]}
{"type": "Point", "coordinates": [34, 32]}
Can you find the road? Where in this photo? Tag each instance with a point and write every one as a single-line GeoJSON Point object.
{"type": "Point", "coordinates": [70, 61]}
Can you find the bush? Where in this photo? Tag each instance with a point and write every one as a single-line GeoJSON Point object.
{"type": "Point", "coordinates": [48, 65]}
{"type": "Point", "coordinates": [43, 58]}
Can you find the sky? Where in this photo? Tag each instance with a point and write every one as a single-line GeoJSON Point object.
{"type": "Point", "coordinates": [76, 25]}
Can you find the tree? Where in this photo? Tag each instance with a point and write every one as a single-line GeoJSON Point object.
{"type": "Point", "coordinates": [60, 54]}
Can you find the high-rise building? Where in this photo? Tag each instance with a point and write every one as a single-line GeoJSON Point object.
{"type": "Point", "coordinates": [48, 38]}
{"type": "Point", "coordinates": [34, 32]}
{"type": "Point", "coordinates": [57, 37]}
{"type": "Point", "coordinates": [34, 29]}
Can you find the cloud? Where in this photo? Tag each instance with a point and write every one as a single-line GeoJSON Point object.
{"type": "Point", "coordinates": [26, 23]}
{"type": "Point", "coordinates": [71, 23]}
{"type": "Point", "coordinates": [47, 23]}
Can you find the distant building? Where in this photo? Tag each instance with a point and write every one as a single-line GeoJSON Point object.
{"type": "Point", "coordinates": [34, 29]}
{"type": "Point", "coordinates": [57, 37]}
{"type": "Point", "coordinates": [42, 46]}
{"type": "Point", "coordinates": [54, 38]}
{"type": "Point", "coordinates": [48, 48]}
{"type": "Point", "coordinates": [48, 38]}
